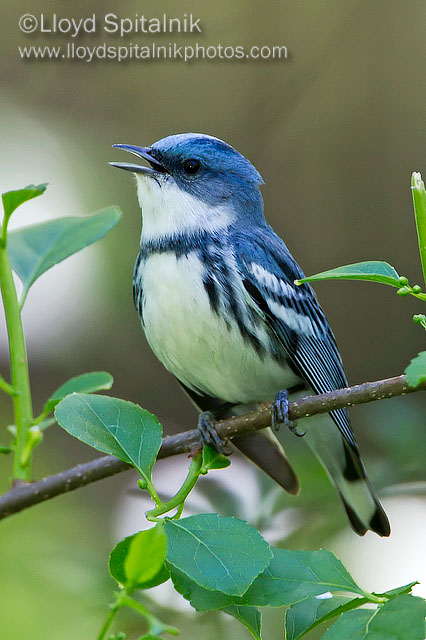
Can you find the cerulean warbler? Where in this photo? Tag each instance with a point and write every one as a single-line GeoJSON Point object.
{"type": "Point", "coordinates": [214, 288]}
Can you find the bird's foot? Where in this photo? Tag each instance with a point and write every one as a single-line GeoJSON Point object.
{"type": "Point", "coordinates": [208, 433]}
{"type": "Point", "coordinates": [280, 414]}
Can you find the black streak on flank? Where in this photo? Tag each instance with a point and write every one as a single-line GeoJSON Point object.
{"type": "Point", "coordinates": [278, 351]}
{"type": "Point", "coordinates": [137, 285]}
{"type": "Point", "coordinates": [257, 296]}
{"type": "Point", "coordinates": [212, 288]}
{"type": "Point", "coordinates": [212, 291]}
{"type": "Point", "coordinates": [238, 316]}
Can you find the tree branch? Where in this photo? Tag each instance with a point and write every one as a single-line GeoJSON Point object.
{"type": "Point", "coordinates": [25, 495]}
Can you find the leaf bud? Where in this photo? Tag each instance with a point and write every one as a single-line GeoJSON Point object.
{"type": "Point", "coordinates": [142, 484]}
{"type": "Point", "coordinates": [404, 291]}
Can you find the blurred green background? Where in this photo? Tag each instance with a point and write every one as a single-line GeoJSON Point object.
{"type": "Point", "coordinates": [335, 130]}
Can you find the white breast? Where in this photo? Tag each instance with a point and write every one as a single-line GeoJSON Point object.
{"type": "Point", "coordinates": [194, 343]}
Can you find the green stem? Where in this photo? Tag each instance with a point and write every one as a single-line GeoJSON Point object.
{"type": "Point", "coordinates": [137, 606]}
{"type": "Point", "coordinates": [154, 623]}
{"type": "Point", "coordinates": [420, 296]}
{"type": "Point", "coordinates": [107, 624]}
{"type": "Point", "coordinates": [40, 417]}
{"type": "Point", "coordinates": [113, 612]}
{"type": "Point", "coordinates": [7, 388]}
{"type": "Point", "coordinates": [371, 597]}
{"type": "Point", "coordinates": [179, 511]}
{"type": "Point", "coordinates": [181, 495]}
{"type": "Point", "coordinates": [18, 365]}
{"type": "Point", "coordinates": [152, 491]}
{"type": "Point", "coordinates": [44, 424]}
{"type": "Point", "coordinates": [34, 437]}
{"type": "Point", "coordinates": [3, 238]}
{"type": "Point", "coordinates": [419, 202]}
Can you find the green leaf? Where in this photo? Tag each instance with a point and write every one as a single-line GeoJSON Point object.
{"type": "Point", "coordinates": [116, 567]}
{"type": "Point", "coordinates": [86, 422]}
{"type": "Point", "coordinates": [250, 617]}
{"type": "Point", "coordinates": [139, 435]}
{"type": "Point", "coordinates": [137, 562]}
{"type": "Point", "coordinates": [372, 271]}
{"type": "Point", "coordinates": [406, 588]}
{"type": "Point", "coordinates": [201, 599]}
{"type": "Point", "coordinates": [13, 199]}
{"type": "Point", "coordinates": [416, 370]}
{"type": "Point", "coordinates": [112, 426]}
{"type": "Point", "coordinates": [309, 613]}
{"type": "Point", "coordinates": [212, 459]}
{"type": "Point", "coordinates": [207, 600]}
{"type": "Point", "coordinates": [84, 383]}
{"type": "Point", "coordinates": [35, 249]}
{"type": "Point", "coordinates": [290, 577]}
{"type": "Point", "coordinates": [146, 555]}
{"type": "Point", "coordinates": [401, 618]}
{"type": "Point", "coordinates": [294, 575]}
{"type": "Point", "coordinates": [223, 554]}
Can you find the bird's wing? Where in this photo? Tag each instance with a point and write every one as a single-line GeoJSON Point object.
{"type": "Point", "coordinates": [293, 313]}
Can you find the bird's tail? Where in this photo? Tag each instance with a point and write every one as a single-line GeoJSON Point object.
{"type": "Point", "coordinates": [346, 470]}
{"type": "Point", "coordinates": [265, 450]}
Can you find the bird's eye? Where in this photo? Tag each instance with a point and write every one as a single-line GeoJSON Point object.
{"type": "Point", "coordinates": [192, 166]}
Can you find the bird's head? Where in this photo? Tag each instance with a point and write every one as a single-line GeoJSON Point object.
{"type": "Point", "coordinates": [194, 182]}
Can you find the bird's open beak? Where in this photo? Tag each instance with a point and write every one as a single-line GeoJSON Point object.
{"type": "Point", "coordinates": [144, 153]}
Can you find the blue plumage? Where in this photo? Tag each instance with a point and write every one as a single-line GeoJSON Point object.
{"type": "Point", "coordinates": [312, 349]}
{"type": "Point", "coordinates": [214, 287]}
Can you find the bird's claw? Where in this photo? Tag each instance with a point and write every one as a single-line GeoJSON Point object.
{"type": "Point", "coordinates": [208, 434]}
{"type": "Point", "coordinates": [280, 414]}
{"type": "Point", "coordinates": [293, 428]}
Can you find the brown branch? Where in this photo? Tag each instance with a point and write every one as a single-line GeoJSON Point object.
{"type": "Point", "coordinates": [25, 495]}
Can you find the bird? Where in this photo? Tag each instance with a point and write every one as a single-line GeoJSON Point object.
{"type": "Point", "coordinates": [214, 287]}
